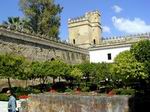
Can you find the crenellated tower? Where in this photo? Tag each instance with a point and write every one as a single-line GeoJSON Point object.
{"type": "Point", "coordinates": [86, 30]}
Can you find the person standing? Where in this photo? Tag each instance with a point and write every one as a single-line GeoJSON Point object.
{"type": "Point", "coordinates": [12, 102]}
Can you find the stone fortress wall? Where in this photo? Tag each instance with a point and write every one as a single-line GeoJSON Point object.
{"type": "Point", "coordinates": [124, 39]}
{"type": "Point", "coordinates": [36, 48]}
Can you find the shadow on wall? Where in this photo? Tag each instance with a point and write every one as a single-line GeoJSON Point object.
{"type": "Point", "coordinates": [140, 102]}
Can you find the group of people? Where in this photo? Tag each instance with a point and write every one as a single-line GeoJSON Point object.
{"type": "Point", "coordinates": [12, 104]}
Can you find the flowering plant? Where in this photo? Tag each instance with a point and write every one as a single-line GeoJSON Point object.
{"type": "Point", "coordinates": [23, 97]}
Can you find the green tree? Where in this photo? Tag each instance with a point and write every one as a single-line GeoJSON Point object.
{"type": "Point", "coordinates": [87, 69]}
{"type": "Point", "coordinates": [127, 69]}
{"type": "Point", "coordinates": [27, 71]}
{"type": "Point", "coordinates": [11, 66]}
{"type": "Point", "coordinates": [55, 69]}
{"type": "Point", "coordinates": [38, 71]}
{"type": "Point", "coordinates": [44, 16]}
{"type": "Point", "coordinates": [101, 72]}
{"type": "Point", "coordinates": [77, 74]}
{"type": "Point", "coordinates": [141, 50]}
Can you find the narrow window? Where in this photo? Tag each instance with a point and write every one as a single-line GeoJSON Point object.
{"type": "Point", "coordinates": [94, 41]}
{"type": "Point", "coordinates": [74, 41]}
{"type": "Point", "coordinates": [109, 56]}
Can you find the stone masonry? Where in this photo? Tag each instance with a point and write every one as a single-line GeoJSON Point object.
{"type": "Point", "coordinates": [77, 103]}
{"type": "Point", "coordinates": [86, 30]}
{"type": "Point", "coordinates": [36, 48]}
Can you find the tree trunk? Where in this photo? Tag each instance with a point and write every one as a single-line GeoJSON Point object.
{"type": "Point", "coordinates": [26, 82]}
{"type": "Point", "coordinates": [9, 84]}
{"type": "Point", "coordinates": [41, 88]}
{"type": "Point", "coordinates": [59, 78]}
{"type": "Point", "coordinates": [53, 80]}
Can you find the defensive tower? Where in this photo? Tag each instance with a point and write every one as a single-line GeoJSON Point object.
{"type": "Point", "coordinates": [86, 30]}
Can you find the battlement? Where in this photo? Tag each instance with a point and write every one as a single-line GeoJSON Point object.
{"type": "Point", "coordinates": [92, 13]}
{"type": "Point", "coordinates": [85, 30]}
{"type": "Point", "coordinates": [124, 39]}
{"type": "Point", "coordinates": [86, 17]}
{"type": "Point", "coordinates": [37, 38]}
{"type": "Point", "coordinates": [78, 19]}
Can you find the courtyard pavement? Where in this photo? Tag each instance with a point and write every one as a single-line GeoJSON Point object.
{"type": "Point", "coordinates": [4, 105]}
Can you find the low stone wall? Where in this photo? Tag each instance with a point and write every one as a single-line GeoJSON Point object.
{"type": "Point", "coordinates": [77, 103]}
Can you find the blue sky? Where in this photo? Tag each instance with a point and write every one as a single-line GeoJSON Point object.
{"type": "Point", "coordinates": [118, 17]}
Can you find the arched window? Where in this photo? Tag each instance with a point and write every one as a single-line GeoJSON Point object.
{"type": "Point", "coordinates": [94, 41]}
{"type": "Point", "coordinates": [74, 42]}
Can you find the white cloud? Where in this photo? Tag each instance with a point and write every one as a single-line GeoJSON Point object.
{"type": "Point", "coordinates": [117, 9]}
{"type": "Point", "coordinates": [130, 26]}
{"type": "Point", "coordinates": [106, 29]}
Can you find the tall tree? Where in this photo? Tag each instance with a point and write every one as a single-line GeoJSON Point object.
{"type": "Point", "coordinates": [44, 16]}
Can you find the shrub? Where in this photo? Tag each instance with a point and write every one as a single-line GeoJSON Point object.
{"type": "Point", "coordinates": [3, 97]}
{"type": "Point", "coordinates": [23, 97]}
{"type": "Point", "coordinates": [122, 91]}
{"type": "Point", "coordinates": [85, 89]}
{"type": "Point", "coordinates": [68, 90]}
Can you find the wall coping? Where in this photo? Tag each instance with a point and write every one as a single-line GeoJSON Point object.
{"type": "Point", "coordinates": [37, 39]}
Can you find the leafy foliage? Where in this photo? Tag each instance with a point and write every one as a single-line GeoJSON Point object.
{"type": "Point", "coordinates": [3, 97]}
{"type": "Point", "coordinates": [11, 65]}
{"type": "Point", "coordinates": [141, 50]}
{"type": "Point", "coordinates": [55, 68]}
{"type": "Point", "coordinates": [128, 69]}
{"type": "Point", "coordinates": [43, 16]}
{"type": "Point", "coordinates": [37, 69]}
{"type": "Point", "coordinates": [87, 69]}
{"type": "Point", "coordinates": [122, 91]}
{"type": "Point", "coordinates": [102, 72]}
{"type": "Point", "coordinates": [13, 23]}
{"type": "Point", "coordinates": [77, 74]}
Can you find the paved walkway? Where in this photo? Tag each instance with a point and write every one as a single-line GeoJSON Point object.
{"type": "Point", "coordinates": [4, 104]}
